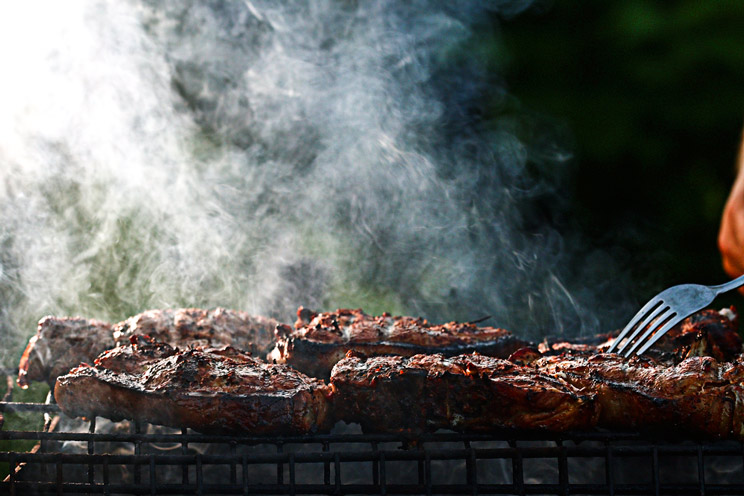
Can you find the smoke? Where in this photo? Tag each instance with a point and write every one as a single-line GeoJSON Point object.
{"type": "Point", "coordinates": [263, 155]}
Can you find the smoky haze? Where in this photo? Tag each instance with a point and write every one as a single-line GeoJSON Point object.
{"type": "Point", "coordinates": [266, 155]}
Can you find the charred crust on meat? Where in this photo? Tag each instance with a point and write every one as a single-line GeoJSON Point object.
{"type": "Point", "coordinates": [304, 316]}
{"type": "Point", "coordinates": [213, 390]}
{"type": "Point", "coordinates": [282, 331]}
{"type": "Point", "coordinates": [319, 340]}
{"type": "Point", "coordinates": [697, 395]}
{"type": "Point", "coordinates": [467, 392]}
{"type": "Point", "coordinates": [524, 356]}
{"type": "Point", "coordinates": [63, 342]}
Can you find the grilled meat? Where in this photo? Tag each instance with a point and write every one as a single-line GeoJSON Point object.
{"type": "Point", "coordinates": [696, 396]}
{"type": "Point", "coordinates": [706, 333]}
{"type": "Point", "coordinates": [211, 390]}
{"type": "Point", "coordinates": [226, 390]}
{"type": "Point", "coordinates": [466, 393]}
{"type": "Point", "coordinates": [319, 340]}
{"type": "Point", "coordinates": [197, 327]}
{"type": "Point", "coordinates": [62, 343]}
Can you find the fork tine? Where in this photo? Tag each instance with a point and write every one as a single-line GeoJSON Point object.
{"type": "Point", "coordinates": [650, 317]}
{"type": "Point", "coordinates": [661, 311]}
{"type": "Point", "coordinates": [676, 320]}
{"type": "Point", "coordinates": [652, 304]}
{"type": "Point", "coordinates": [660, 321]}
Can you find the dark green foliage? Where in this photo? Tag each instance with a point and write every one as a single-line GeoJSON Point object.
{"type": "Point", "coordinates": [653, 94]}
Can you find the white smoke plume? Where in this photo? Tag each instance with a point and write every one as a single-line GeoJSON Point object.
{"type": "Point", "coordinates": [263, 155]}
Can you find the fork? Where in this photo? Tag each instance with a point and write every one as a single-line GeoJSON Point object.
{"type": "Point", "coordinates": [666, 310]}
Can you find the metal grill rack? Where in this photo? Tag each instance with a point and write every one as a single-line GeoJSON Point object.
{"type": "Point", "coordinates": [152, 460]}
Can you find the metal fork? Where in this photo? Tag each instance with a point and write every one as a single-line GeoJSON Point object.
{"type": "Point", "coordinates": [666, 310]}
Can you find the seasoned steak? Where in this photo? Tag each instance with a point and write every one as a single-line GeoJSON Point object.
{"type": "Point", "coordinates": [473, 393]}
{"type": "Point", "coordinates": [706, 333]}
{"type": "Point", "coordinates": [197, 327]}
{"type": "Point", "coordinates": [698, 396]}
{"type": "Point", "coordinates": [211, 390]}
{"type": "Point", "coordinates": [319, 340]}
{"type": "Point", "coordinates": [62, 343]}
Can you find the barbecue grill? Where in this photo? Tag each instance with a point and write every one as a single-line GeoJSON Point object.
{"type": "Point", "coordinates": [98, 457]}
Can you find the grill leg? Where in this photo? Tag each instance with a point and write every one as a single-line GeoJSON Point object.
{"type": "Point", "coordinates": [91, 451]}
{"type": "Point", "coordinates": [184, 451]}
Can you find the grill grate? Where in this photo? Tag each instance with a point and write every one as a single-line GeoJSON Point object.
{"type": "Point", "coordinates": [144, 459]}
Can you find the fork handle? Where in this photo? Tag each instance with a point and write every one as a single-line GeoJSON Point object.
{"type": "Point", "coordinates": [728, 286]}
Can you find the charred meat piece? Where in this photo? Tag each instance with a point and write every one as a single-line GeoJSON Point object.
{"type": "Point", "coordinates": [706, 333]}
{"type": "Point", "coordinates": [319, 340]}
{"type": "Point", "coordinates": [473, 393]}
{"type": "Point", "coordinates": [698, 396]}
{"type": "Point", "coordinates": [61, 343]}
{"type": "Point", "coordinates": [212, 390]}
{"type": "Point", "coordinates": [197, 327]}
{"type": "Point", "coordinates": [135, 358]}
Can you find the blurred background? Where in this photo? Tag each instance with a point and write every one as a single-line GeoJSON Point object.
{"type": "Point", "coordinates": [551, 165]}
{"type": "Point", "coordinates": [652, 96]}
